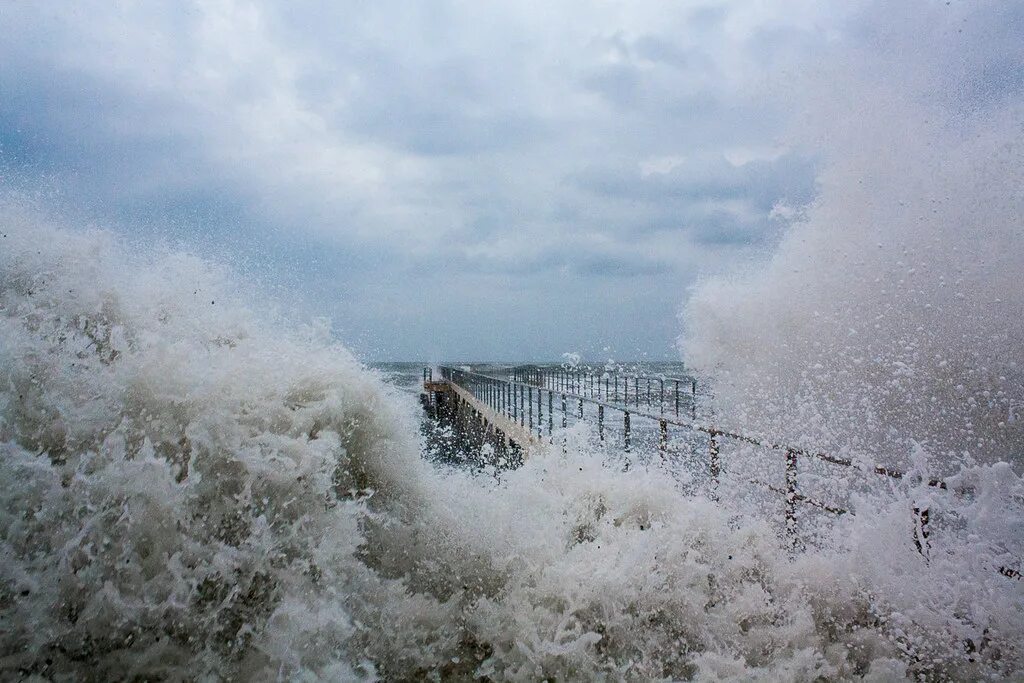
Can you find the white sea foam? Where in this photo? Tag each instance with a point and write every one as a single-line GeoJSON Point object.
{"type": "Point", "coordinates": [190, 488]}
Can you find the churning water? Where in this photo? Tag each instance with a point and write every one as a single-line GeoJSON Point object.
{"type": "Point", "coordinates": [192, 488]}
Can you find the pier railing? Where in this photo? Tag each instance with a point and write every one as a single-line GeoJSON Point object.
{"type": "Point", "coordinates": [539, 399]}
{"type": "Point", "coordinates": [669, 395]}
{"type": "Point", "coordinates": [517, 394]}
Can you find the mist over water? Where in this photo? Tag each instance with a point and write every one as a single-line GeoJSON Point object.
{"type": "Point", "coordinates": [891, 315]}
{"type": "Point", "coordinates": [193, 487]}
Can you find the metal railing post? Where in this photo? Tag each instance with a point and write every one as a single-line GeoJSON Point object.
{"type": "Point", "coordinates": [791, 497]}
{"type": "Point", "coordinates": [693, 399]}
{"type": "Point", "coordinates": [522, 405]}
{"type": "Point", "coordinates": [565, 416]}
{"type": "Point", "coordinates": [677, 398]}
{"type": "Point", "coordinates": [625, 430]}
{"type": "Point", "coordinates": [600, 422]}
{"type": "Point", "coordinates": [540, 412]}
{"type": "Point", "coordinates": [551, 413]}
{"type": "Point", "coordinates": [663, 438]}
{"type": "Point", "coordinates": [530, 403]}
{"type": "Point", "coordinates": [921, 532]}
{"type": "Point", "coordinates": [714, 463]}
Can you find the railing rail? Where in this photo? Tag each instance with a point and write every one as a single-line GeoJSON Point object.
{"type": "Point", "coordinates": [521, 392]}
{"type": "Point", "coordinates": [515, 399]}
{"type": "Point", "coordinates": [712, 430]}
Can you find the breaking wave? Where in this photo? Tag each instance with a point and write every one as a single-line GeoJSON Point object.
{"type": "Point", "coordinates": [191, 488]}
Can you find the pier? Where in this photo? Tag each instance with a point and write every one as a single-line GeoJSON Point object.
{"type": "Point", "coordinates": [475, 422]}
{"type": "Point", "coordinates": [514, 413]}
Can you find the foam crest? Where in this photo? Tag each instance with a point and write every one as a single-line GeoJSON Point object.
{"type": "Point", "coordinates": [192, 488]}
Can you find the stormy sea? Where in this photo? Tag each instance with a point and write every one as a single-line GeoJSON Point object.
{"type": "Point", "coordinates": [194, 486]}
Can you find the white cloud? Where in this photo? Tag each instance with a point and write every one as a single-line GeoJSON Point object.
{"type": "Point", "coordinates": [741, 156]}
{"type": "Point", "coordinates": [659, 165]}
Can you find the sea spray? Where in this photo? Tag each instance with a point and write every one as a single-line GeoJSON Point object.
{"type": "Point", "coordinates": [191, 488]}
{"type": "Point", "coordinates": [174, 475]}
{"type": "Point", "coordinates": [887, 328]}
{"type": "Point", "coordinates": [891, 314]}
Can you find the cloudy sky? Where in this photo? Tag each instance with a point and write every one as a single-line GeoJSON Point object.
{"type": "Point", "coordinates": [444, 180]}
